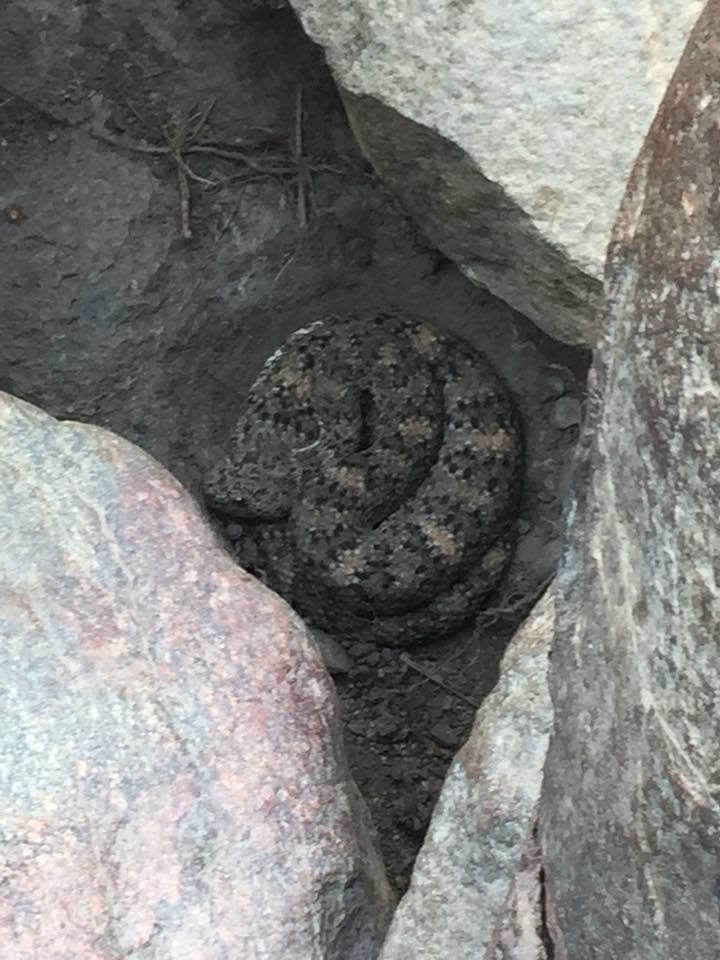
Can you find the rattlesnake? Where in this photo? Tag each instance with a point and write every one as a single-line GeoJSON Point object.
{"type": "Point", "coordinates": [375, 471]}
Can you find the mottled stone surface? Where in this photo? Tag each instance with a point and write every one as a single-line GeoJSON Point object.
{"type": "Point", "coordinates": [630, 816]}
{"type": "Point", "coordinates": [171, 769]}
{"type": "Point", "coordinates": [509, 138]}
{"type": "Point", "coordinates": [475, 890]}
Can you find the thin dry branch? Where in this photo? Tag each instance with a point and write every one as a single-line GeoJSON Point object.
{"type": "Point", "coordinates": [429, 675]}
{"type": "Point", "coordinates": [182, 142]}
{"type": "Point", "coordinates": [528, 599]}
{"type": "Point", "coordinates": [298, 154]}
{"type": "Point", "coordinates": [184, 191]}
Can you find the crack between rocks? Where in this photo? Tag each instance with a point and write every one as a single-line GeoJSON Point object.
{"type": "Point", "coordinates": [544, 931]}
{"type": "Point", "coordinates": [543, 926]}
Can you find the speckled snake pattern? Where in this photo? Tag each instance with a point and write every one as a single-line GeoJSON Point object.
{"type": "Point", "coordinates": [375, 472]}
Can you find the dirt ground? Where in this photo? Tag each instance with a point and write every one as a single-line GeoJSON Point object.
{"type": "Point", "coordinates": [180, 190]}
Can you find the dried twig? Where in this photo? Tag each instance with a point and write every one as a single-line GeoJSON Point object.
{"type": "Point", "coordinates": [175, 142]}
{"type": "Point", "coordinates": [201, 118]}
{"type": "Point", "coordinates": [237, 156]}
{"type": "Point", "coordinates": [150, 149]}
{"type": "Point", "coordinates": [438, 680]}
{"type": "Point", "coordinates": [528, 599]}
{"type": "Point", "coordinates": [181, 142]}
{"type": "Point", "coordinates": [184, 191]}
{"type": "Point", "coordinates": [298, 154]}
{"type": "Point", "coordinates": [143, 120]}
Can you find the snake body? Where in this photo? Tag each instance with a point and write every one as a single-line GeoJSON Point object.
{"type": "Point", "coordinates": [376, 472]}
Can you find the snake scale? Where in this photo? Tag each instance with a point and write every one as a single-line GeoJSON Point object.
{"type": "Point", "coordinates": [375, 471]}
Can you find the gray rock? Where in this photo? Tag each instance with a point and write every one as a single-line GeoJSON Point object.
{"type": "Point", "coordinates": [334, 655]}
{"type": "Point", "coordinates": [630, 815]}
{"type": "Point", "coordinates": [509, 138]}
{"type": "Point", "coordinates": [558, 380]}
{"type": "Point", "coordinates": [475, 889]}
{"type": "Point", "coordinates": [445, 732]}
{"type": "Point", "coordinates": [567, 412]}
{"type": "Point", "coordinates": [170, 752]}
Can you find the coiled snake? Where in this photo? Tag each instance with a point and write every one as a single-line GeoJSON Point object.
{"type": "Point", "coordinates": [376, 471]}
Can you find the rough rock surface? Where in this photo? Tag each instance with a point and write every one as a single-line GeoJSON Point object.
{"type": "Point", "coordinates": [630, 813]}
{"type": "Point", "coordinates": [170, 759]}
{"type": "Point", "coordinates": [509, 138]}
{"type": "Point", "coordinates": [475, 890]}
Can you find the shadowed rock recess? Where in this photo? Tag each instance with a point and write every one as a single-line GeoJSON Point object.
{"type": "Point", "coordinates": [630, 815]}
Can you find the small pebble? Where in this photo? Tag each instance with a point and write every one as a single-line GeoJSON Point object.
{"type": "Point", "coordinates": [374, 697]}
{"type": "Point", "coordinates": [558, 381]}
{"type": "Point", "coordinates": [397, 770]}
{"type": "Point", "coordinates": [360, 648]}
{"type": "Point", "coordinates": [334, 656]}
{"type": "Point", "coordinates": [357, 727]}
{"type": "Point", "coordinates": [387, 729]}
{"type": "Point", "coordinates": [445, 733]}
{"type": "Point", "coordinates": [567, 412]}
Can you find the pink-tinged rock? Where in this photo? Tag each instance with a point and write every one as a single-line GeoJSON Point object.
{"type": "Point", "coordinates": [171, 767]}
{"type": "Point", "coordinates": [476, 890]}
